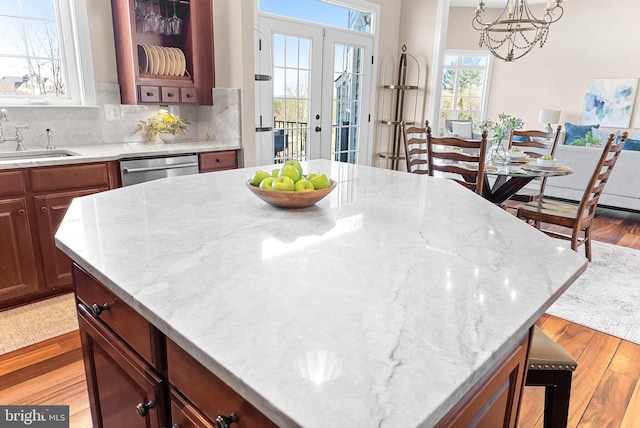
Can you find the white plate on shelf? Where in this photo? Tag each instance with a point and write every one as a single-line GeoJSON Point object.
{"type": "Point", "coordinates": [155, 60]}
{"type": "Point", "coordinates": [175, 62]}
{"type": "Point", "coordinates": [183, 63]}
{"type": "Point", "coordinates": [143, 62]}
{"type": "Point", "coordinates": [166, 60]}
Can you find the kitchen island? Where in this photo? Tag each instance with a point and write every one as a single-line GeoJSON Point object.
{"type": "Point", "coordinates": [382, 305]}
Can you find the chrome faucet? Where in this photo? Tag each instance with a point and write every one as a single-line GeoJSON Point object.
{"type": "Point", "coordinates": [4, 117]}
{"type": "Point", "coordinates": [50, 145]}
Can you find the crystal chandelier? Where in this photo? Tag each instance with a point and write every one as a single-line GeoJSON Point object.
{"type": "Point", "coordinates": [516, 30]}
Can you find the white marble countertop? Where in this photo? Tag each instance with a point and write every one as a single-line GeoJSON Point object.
{"type": "Point", "coordinates": [382, 305]}
{"type": "Point", "coordinates": [112, 151]}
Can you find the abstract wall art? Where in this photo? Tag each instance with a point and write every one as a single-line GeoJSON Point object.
{"type": "Point", "coordinates": [609, 102]}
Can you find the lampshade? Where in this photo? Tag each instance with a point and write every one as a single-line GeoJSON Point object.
{"type": "Point", "coordinates": [548, 116]}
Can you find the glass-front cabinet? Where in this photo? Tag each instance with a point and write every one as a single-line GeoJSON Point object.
{"type": "Point", "coordinates": [164, 51]}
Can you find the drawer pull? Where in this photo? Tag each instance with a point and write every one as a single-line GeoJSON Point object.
{"type": "Point", "coordinates": [225, 421]}
{"type": "Point", "coordinates": [219, 160]}
{"type": "Point", "coordinates": [44, 209]}
{"type": "Point", "coordinates": [189, 95]}
{"type": "Point", "coordinates": [150, 94]}
{"type": "Point", "coordinates": [97, 309]}
{"type": "Point", "coordinates": [21, 212]}
{"type": "Point", "coordinates": [143, 409]}
{"type": "Point", "coordinates": [171, 95]}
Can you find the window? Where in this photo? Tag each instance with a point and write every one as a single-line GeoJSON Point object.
{"type": "Point", "coordinates": [45, 56]}
{"type": "Point", "coordinates": [465, 78]}
{"type": "Point", "coordinates": [321, 12]}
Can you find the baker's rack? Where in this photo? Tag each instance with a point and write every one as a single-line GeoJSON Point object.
{"type": "Point", "coordinates": [399, 104]}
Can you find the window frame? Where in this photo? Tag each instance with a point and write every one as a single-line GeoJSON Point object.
{"type": "Point", "coordinates": [75, 47]}
{"type": "Point", "coordinates": [482, 112]}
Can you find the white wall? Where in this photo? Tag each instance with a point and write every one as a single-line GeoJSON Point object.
{"type": "Point", "coordinates": [592, 40]}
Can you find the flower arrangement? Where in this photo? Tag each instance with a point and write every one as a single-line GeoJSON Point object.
{"type": "Point", "coordinates": [588, 140]}
{"type": "Point", "coordinates": [503, 127]}
{"type": "Point", "coordinates": [162, 123]}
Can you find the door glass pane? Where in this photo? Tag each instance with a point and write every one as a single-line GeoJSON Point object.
{"type": "Point", "coordinates": [346, 117]}
{"type": "Point", "coordinates": [320, 11]}
{"type": "Point", "coordinates": [290, 97]}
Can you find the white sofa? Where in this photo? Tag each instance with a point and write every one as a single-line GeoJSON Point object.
{"type": "Point", "coordinates": [623, 188]}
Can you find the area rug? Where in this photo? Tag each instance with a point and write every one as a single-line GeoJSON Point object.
{"type": "Point", "coordinates": [607, 296]}
{"type": "Point", "coordinates": [33, 323]}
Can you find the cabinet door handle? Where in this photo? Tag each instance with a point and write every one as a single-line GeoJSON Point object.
{"type": "Point", "coordinates": [44, 209]}
{"type": "Point", "coordinates": [97, 309]}
{"type": "Point", "coordinates": [143, 409]}
{"type": "Point", "coordinates": [225, 421]}
{"type": "Point", "coordinates": [21, 212]}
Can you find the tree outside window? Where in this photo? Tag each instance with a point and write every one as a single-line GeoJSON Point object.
{"type": "Point", "coordinates": [31, 62]}
{"type": "Point", "coordinates": [464, 87]}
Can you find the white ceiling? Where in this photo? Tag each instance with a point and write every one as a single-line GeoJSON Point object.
{"type": "Point", "coordinates": [488, 3]}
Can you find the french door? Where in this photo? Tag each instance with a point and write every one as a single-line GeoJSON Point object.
{"type": "Point", "coordinates": [319, 101]}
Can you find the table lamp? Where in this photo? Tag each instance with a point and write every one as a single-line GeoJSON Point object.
{"type": "Point", "coordinates": [548, 116]}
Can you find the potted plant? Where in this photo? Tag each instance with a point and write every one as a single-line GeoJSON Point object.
{"type": "Point", "coordinates": [498, 131]}
{"type": "Point", "coordinates": [163, 124]}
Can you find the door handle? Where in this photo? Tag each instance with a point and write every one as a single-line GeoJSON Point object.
{"type": "Point", "coordinates": [318, 129]}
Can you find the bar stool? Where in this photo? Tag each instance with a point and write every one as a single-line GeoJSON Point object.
{"type": "Point", "coordinates": [549, 365]}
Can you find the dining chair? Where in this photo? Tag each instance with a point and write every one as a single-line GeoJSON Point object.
{"type": "Point", "coordinates": [551, 366]}
{"type": "Point", "coordinates": [576, 217]}
{"type": "Point", "coordinates": [459, 159]}
{"type": "Point", "coordinates": [545, 143]}
{"type": "Point", "coordinates": [415, 148]}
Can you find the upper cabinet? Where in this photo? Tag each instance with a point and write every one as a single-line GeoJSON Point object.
{"type": "Point", "coordinates": [164, 51]}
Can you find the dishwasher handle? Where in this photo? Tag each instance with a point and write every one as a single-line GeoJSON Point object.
{"type": "Point", "coordinates": [159, 168]}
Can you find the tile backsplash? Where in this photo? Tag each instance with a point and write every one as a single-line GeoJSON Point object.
{"type": "Point", "coordinates": [74, 126]}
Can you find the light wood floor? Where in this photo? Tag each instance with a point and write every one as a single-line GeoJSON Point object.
{"type": "Point", "coordinates": [605, 391]}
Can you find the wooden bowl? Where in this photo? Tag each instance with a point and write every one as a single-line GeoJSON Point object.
{"type": "Point", "coordinates": [283, 199]}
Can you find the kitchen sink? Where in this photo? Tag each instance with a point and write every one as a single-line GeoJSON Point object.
{"type": "Point", "coordinates": [36, 154]}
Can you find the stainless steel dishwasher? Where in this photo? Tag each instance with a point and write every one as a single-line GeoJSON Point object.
{"type": "Point", "coordinates": [142, 169]}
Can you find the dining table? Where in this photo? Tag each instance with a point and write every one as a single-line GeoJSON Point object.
{"type": "Point", "coordinates": [503, 181]}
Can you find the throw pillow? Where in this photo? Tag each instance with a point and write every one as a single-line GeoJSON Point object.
{"type": "Point", "coordinates": [462, 130]}
{"type": "Point", "coordinates": [577, 131]}
{"type": "Point", "coordinates": [520, 138]}
{"type": "Point", "coordinates": [630, 144]}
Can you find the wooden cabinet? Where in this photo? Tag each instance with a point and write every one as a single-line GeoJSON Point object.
{"type": "Point", "coordinates": [148, 63]}
{"type": "Point", "coordinates": [129, 363]}
{"type": "Point", "coordinates": [124, 391]}
{"type": "Point", "coordinates": [33, 202]}
{"type": "Point", "coordinates": [218, 161]}
{"type": "Point", "coordinates": [18, 275]}
{"type": "Point", "coordinates": [495, 400]}
{"type": "Point", "coordinates": [50, 210]}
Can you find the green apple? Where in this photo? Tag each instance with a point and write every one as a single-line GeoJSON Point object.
{"type": "Point", "coordinates": [516, 149]}
{"type": "Point", "coordinates": [284, 183]}
{"type": "Point", "coordinates": [547, 157]}
{"type": "Point", "coordinates": [290, 171]}
{"type": "Point", "coordinates": [296, 164]}
{"type": "Point", "coordinates": [311, 175]}
{"type": "Point", "coordinates": [304, 185]}
{"type": "Point", "coordinates": [258, 177]}
{"type": "Point", "coordinates": [320, 181]}
{"type": "Point", "coordinates": [275, 172]}
{"type": "Point", "coordinates": [266, 183]}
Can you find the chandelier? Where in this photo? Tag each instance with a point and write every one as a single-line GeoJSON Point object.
{"type": "Point", "coordinates": [516, 30]}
